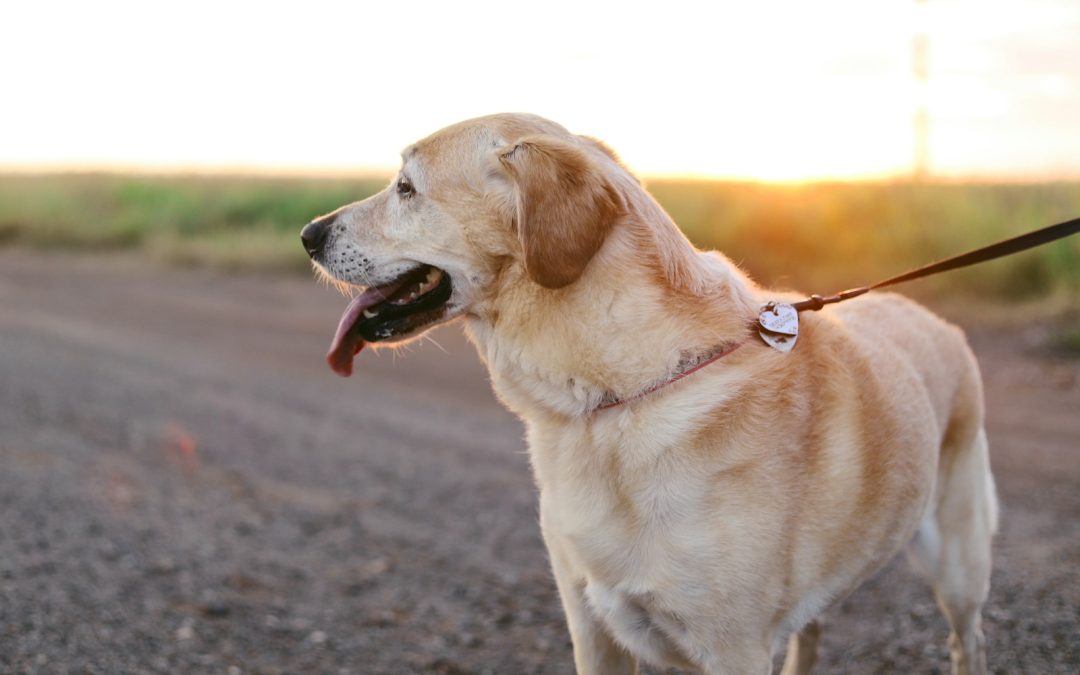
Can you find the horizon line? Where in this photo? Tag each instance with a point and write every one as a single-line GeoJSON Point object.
{"type": "Point", "coordinates": [239, 170]}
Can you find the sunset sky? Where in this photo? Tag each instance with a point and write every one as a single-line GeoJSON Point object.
{"type": "Point", "coordinates": [767, 90]}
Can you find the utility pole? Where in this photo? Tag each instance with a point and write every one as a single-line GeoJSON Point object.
{"type": "Point", "coordinates": [920, 63]}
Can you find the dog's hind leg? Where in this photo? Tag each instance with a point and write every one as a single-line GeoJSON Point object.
{"type": "Point", "coordinates": [802, 650]}
{"type": "Point", "coordinates": [953, 545]}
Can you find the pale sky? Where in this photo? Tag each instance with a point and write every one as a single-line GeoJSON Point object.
{"type": "Point", "coordinates": [759, 90]}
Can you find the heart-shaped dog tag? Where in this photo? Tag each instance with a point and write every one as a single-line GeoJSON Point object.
{"type": "Point", "coordinates": [779, 317]}
{"type": "Point", "coordinates": [778, 326]}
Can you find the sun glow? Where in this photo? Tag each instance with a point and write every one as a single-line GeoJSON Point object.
{"type": "Point", "coordinates": [768, 91]}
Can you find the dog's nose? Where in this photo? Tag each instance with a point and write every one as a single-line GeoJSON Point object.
{"type": "Point", "coordinates": [313, 236]}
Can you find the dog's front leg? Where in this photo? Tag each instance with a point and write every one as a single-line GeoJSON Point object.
{"type": "Point", "coordinates": [595, 652]}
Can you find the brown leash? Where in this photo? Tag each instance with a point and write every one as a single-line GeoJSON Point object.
{"type": "Point", "coordinates": [778, 323]}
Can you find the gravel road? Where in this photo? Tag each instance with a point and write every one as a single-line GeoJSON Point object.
{"type": "Point", "coordinates": [186, 488]}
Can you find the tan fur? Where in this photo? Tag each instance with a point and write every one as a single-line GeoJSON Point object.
{"type": "Point", "coordinates": [699, 525]}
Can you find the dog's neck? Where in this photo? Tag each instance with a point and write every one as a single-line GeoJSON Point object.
{"type": "Point", "coordinates": [646, 304]}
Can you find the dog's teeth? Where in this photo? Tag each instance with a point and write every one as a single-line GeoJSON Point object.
{"type": "Point", "coordinates": [368, 314]}
{"type": "Point", "coordinates": [432, 275]}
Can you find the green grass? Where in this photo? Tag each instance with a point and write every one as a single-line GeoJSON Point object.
{"type": "Point", "coordinates": [816, 237]}
{"type": "Point", "coordinates": [221, 221]}
{"type": "Point", "coordinates": [828, 236]}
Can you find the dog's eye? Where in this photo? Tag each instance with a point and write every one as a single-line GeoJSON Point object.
{"type": "Point", "coordinates": [405, 188]}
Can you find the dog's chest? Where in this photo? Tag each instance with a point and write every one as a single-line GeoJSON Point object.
{"type": "Point", "coordinates": [639, 542]}
{"type": "Point", "coordinates": [629, 517]}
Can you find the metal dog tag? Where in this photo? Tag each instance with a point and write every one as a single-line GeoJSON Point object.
{"type": "Point", "coordinates": [778, 325]}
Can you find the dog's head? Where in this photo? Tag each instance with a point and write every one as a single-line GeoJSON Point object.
{"type": "Point", "coordinates": [506, 196]}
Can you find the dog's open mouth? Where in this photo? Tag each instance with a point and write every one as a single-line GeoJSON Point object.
{"type": "Point", "coordinates": [413, 300]}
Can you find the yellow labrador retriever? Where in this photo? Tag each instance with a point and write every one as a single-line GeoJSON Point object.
{"type": "Point", "coordinates": [693, 519]}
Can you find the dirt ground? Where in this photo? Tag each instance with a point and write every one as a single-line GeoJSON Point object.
{"type": "Point", "coordinates": [186, 488]}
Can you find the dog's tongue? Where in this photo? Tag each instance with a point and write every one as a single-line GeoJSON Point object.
{"type": "Point", "coordinates": [347, 341]}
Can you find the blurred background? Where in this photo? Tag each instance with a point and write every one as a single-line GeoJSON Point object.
{"type": "Point", "coordinates": [187, 488]}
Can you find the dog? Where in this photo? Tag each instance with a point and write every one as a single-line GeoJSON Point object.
{"type": "Point", "coordinates": [703, 496]}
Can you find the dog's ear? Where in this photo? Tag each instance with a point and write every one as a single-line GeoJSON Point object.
{"type": "Point", "coordinates": [565, 206]}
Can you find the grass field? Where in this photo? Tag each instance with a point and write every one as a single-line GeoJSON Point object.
{"type": "Point", "coordinates": [815, 237]}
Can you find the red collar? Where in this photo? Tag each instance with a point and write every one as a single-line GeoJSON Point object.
{"type": "Point", "coordinates": [675, 378]}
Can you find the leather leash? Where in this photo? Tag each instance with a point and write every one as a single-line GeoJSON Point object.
{"type": "Point", "coordinates": [998, 250]}
{"type": "Point", "coordinates": [778, 323]}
